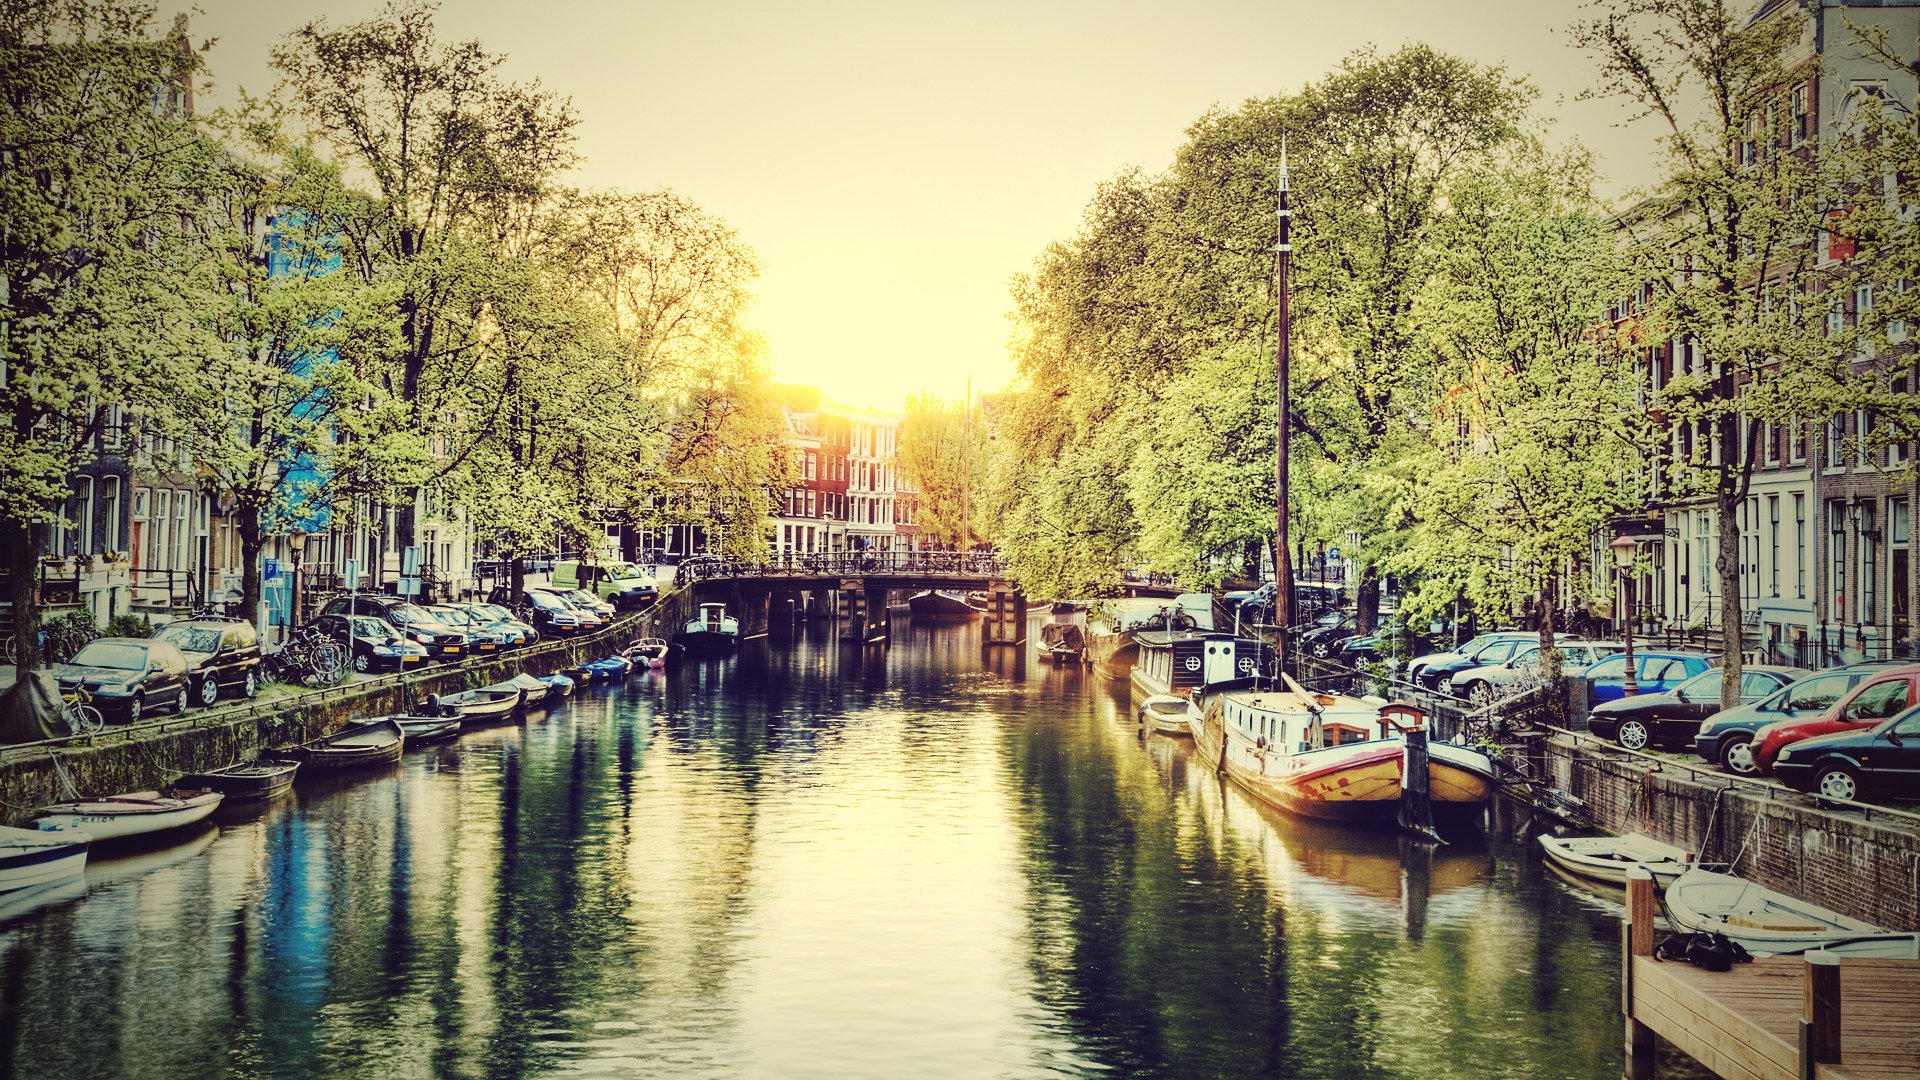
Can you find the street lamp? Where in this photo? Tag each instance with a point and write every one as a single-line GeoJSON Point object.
{"type": "Point", "coordinates": [1623, 549]}
{"type": "Point", "coordinates": [296, 543]}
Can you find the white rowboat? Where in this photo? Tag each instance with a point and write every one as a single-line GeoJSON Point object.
{"type": "Point", "coordinates": [1608, 858]}
{"type": "Point", "coordinates": [1768, 923]}
{"type": "Point", "coordinates": [137, 813]}
{"type": "Point", "coordinates": [1166, 714]}
{"type": "Point", "coordinates": [29, 857]}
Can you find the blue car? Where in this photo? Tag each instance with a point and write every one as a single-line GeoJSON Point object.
{"type": "Point", "coordinates": [1655, 672]}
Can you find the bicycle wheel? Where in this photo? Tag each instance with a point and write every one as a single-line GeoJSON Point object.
{"type": "Point", "coordinates": [6, 649]}
{"type": "Point", "coordinates": [85, 719]}
{"type": "Point", "coordinates": [329, 660]}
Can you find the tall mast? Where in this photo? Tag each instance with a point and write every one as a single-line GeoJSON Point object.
{"type": "Point", "coordinates": [1282, 561]}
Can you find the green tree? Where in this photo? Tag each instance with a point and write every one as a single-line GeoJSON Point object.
{"type": "Point", "coordinates": [941, 455]}
{"type": "Point", "coordinates": [103, 294]}
{"type": "Point", "coordinates": [1727, 248]}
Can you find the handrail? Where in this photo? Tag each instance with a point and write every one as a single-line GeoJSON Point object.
{"type": "Point", "coordinates": [848, 564]}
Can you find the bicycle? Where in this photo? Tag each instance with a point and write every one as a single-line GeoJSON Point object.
{"type": "Point", "coordinates": [78, 712]}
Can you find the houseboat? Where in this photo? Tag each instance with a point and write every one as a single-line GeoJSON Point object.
{"type": "Point", "coordinates": [1175, 662]}
{"type": "Point", "coordinates": [712, 630]}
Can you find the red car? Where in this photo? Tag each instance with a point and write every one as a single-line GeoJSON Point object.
{"type": "Point", "coordinates": [1891, 691]}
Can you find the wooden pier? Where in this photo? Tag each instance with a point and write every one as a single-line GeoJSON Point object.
{"type": "Point", "coordinates": [1813, 1017]}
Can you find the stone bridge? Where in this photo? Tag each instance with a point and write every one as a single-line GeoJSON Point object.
{"type": "Point", "coordinates": [854, 587]}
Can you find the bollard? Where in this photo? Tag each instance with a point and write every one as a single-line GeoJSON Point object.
{"type": "Point", "coordinates": [1636, 941]}
{"type": "Point", "coordinates": [1820, 1014]}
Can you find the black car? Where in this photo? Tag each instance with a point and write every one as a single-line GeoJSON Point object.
{"type": "Point", "coordinates": [128, 677]}
{"type": "Point", "coordinates": [372, 644]}
{"type": "Point", "coordinates": [407, 617]}
{"type": "Point", "coordinates": [550, 615]}
{"type": "Point", "coordinates": [1880, 761]}
{"type": "Point", "coordinates": [1673, 718]}
{"type": "Point", "coordinates": [1326, 631]}
{"type": "Point", "coordinates": [222, 655]}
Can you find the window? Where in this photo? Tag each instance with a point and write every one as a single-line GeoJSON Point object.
{"type": "Point", "coordinates": [1836, 435]}
{"type": "Point", "coordinates": [1902, 564]}
{"type": "Point", "coordinates": [1801, 124]}
{"type": "Point", "coordinates": [83, 538]}
{"type": "Point", "coordinates": [1877, 701]}
{"type": "Point", "coordinates": [1816, 693]}
{"type": "Point", "coordinates": [110, 514]}
{"type": "Point", "coordinates": [1863, 437]}
{"type": "Point", "coordinates": [1869, 563]}
{"type": "Point", "coordinates": [1773, 534]}
{"type": "Point", "coordinates": [1837, 542]}
{"type": "Point", "coordinates": [1799, 545]}
{"type": "Point", "coordinates": [1770, 443]}
{"type": "Point", "coordinates": [156, 534]}
{"type": "Point", "coordinates": [1897, 328]}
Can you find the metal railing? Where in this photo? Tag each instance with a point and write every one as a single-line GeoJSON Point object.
{"type": "Point", "coordinates": [953, 564]}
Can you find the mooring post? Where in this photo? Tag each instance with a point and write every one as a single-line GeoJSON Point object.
{"type": "Point", "coordinates": [1636, 941]}
{"type": "Point", "coordinates": [1820, 1014]}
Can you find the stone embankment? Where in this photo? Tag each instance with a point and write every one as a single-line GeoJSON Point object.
{"type": "Point", "coordinates": [151, 754]}
{"type": "Point", "coordinates": [1863, 863]}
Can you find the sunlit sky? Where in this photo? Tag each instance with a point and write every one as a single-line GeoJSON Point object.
{"type": "Point", "coordinates": [896, 163]}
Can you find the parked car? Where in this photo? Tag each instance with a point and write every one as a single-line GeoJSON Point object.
{"type": "Point", "coordinates": [1392, 640]}
{"type": "Point", "coordinates": [1673, 717]}
{"type": "Point", "coordinates": [1655, 671]}
{"type": "Point", "coordinates": [480, 637]}
{"type": "Point", "coordinates": [373, 644]}
{"type": "Point", "coordinates": [582, 601]}
{"type": "Point", "coordinates": [622, 584]}
{"type": "Point", "coordinates": [221, 654]}
{"type": "Point", "coordinates": [499, 615]}
{"type": "Point", "coordinates": [1326, 631]}
{"type": "Point", "coordinates": [407, 617]}
{"type": "Point", "coordinates": [1886, 692]}
{"type": "Point", "coordinates": [1727, 738]}
{"type": "Point", "coordinates": [548, 613]}
{"type": "Point", "coordinates": [1434, 669]}
{"type": "Point", "coordinates": [127, 676]}
{"type": "Point", "coordinates": [1489, 683]}
{"type": "Point", "coordinates": [1878, 761]}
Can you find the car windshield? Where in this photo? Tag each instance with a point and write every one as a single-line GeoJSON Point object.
{"type": "Point", "coordinates": [493, 611]}
{"type": "Point", "coordinates": [201, 639]}
{"type": "Point", "coordinates": [112, 654]}
{"type": "Point", "coordinates": [367, 626]}
{"type": "Point", "coordinates": [411, 613]}
{"type": "Point", "coordinates": [547, 601]}
{"type": "Point", "coordinates": [450, 615]}
{"type": "Point", "coordinates": [583, 596]}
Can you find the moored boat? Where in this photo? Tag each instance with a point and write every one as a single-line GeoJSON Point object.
{"type": "Point", "coordinates": [1063, 643]}
{"type": "Point", "coordinates": [421, 730]}
{"type": "Point", "coordinates": [943, 604]}
{"type": "Point", "coordinates": [376, 742]}
{"type": "Point", "coordinates": [559, 686]}
{"type": "Point", "coordinates": [253, 781]}
{"type": "Point", "coordinates": [493, 703]}
{"type": "Point", "coordinates": [1608, 858]}
{"type": "Point", "coordinates": [136, 813]}
{"type": "Point", "coordinates": [1326, 756]}
{"type": "Point", "coordinates": [1767, 923]}
{"type": "Point", "coordinates": [29, 857]}
{"type": "Point", "coordinates": [651, 651]}
{"type": "Point", "coordinates": [713, 630]}
{"type": "Point", "coordinates": [1166, 714]}
{"type": "Point", "coordinates": [536, 689]}
{"type": "Point", "coordinates": [1175, 661]}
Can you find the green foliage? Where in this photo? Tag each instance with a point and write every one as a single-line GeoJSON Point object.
{"type": "Point", "coordinates": [129, 626]}
{"type": "Point", "coordinates": [942, 456]}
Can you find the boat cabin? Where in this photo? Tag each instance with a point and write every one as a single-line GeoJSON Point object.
{"type": "Point", "coordinates": [1172, 662]}
{"type": "Point", "coordinates": [1280, 719]}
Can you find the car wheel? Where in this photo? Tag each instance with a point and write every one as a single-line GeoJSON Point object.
{"type": "Point", "coordinates": [362, 663]}
{"type": "Point", "coordinates": [209, 691]}
{"type": "Point", "coordinates": [1481, 694]}
{"type": "Point", "coordinates": [252, 686]}
{"type": "Point", "coordinates": [180, 699]}
{"type": "Point", "coordinates": [1632, 735]}
{"type": "Point", "coordinates": [136, 708]}
{"type": "Point", "coordinates": [1737, 757]}
{"type": "Point", "coordinates": [1837, 782]}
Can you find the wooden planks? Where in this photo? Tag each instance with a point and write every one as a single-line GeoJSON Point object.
{"type": "Point", "coordinates": [1745, 1023]}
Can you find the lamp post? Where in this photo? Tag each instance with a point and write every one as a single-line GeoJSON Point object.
{"type": "Point", "coordinates": [1623, 550]}
{"type": "Point", "coordinates": [296, 543]}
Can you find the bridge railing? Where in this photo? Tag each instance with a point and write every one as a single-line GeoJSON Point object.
{"type": "Point", "coordinates": [847, 564]}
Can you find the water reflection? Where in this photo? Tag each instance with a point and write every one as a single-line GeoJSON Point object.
{"type": "Point", "coordinates": [814, 858]}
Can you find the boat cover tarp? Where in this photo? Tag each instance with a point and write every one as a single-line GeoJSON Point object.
{"type": "Point", "coordinates": [30, 710]}
{"type": "Point", "coordinates": [1063, 636]}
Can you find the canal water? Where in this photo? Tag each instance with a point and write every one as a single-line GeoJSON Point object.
{"type": "Point", "coordinates": [811, 860]}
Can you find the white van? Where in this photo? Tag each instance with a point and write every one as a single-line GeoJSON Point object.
{"type": "Point", "coordinates": [622, 584]}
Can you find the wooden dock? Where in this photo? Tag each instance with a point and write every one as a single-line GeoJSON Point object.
{"type": "Point", "coordinates": [1812, 1017]}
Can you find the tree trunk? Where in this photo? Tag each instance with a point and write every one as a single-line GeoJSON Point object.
{"type": "Point", "coordinates": [1727, 565]}
{"type": "Point", "coordinates": [1366, 598]}
{"type": "Point", "coordinates": [1913, 537]}
{"type": "Point", "coordinates": [1550, 666]}
{"type": "Point", "coordinates": [22, 541]}
{"type": "Point", "coordinates": [247, 523]}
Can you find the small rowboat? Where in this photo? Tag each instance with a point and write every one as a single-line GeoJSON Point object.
{"type": "Point", "coordinates": [1165, 714]}
{"type": "Point", "coordinates": [651, 651]}
{"type": "Point", "coordinates": [1608, 858]}
{"type": "Point", "coordinates": [1768, 923]}
{"type": "Point", "coordinates": [608, 667]}
{"type": "Point", "coordinates": [137, 813]}
{"type": "Point", "coordinates": [421, 730]}
{"type": "Point", "coordinates": [29, 857]}
{"type": "Point", "coordinates": [559, 686]}
{"type": "Point", "coordinates": [249, 782]}
{"type": "Point", "coordinates": [377, 742]}
{"type": "Point", "coordinates": [482, 705]}
{"type": "Point", "coordinates": [536, 689]}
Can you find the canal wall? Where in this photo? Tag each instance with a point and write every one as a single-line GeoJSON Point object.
{"type": "Point", "coordinates": [152, 754]}
{"type": "Point", "coordinates": [1861, 863]}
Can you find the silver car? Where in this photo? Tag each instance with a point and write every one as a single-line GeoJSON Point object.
{"type": "Point", "coordinates": [1489, 683]}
